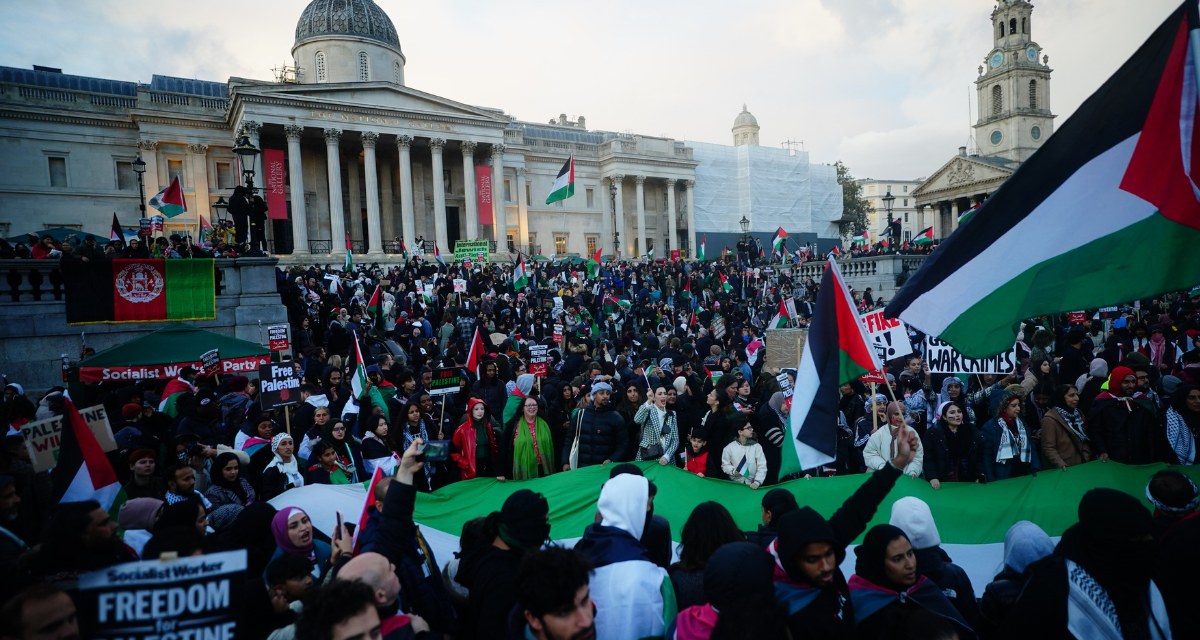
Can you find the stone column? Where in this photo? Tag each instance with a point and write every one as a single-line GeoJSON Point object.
{"type": "Point", "coordinates": [499, 198]}
{"type": "Point", "coordinates": [522, 211]}
{"type": "Point", "coordinates": [953, 215]}
{"type": "Point", "coordinates": [672, 235]}
{"type": "Point", "coordinates": [619, 213]}
{"type": "Point", "coordinates": [354, 195]}
{"type": "Point", "coordinates": [296, 171]}
{"type": "Point", "coordinates": [149, 152]}
{"type": "Point", "coordinates": [337, 219]}
{"type": "Point", "coordinates": [408, 225]}
{"type": "Point", "coordinates": [472, 206]}
{"type": "Point", "coordinates": [387, 212]}
{"type": "Point", "coordinates": [691, 218]}
{"type": "Point", "coordinates": [199, 154]}
{"type": "Point", "coordinates": [374, 228]}
{"type": "Point", "coordinates": [439, 195]}
{"type": "Point", "coordinates": [640, 181]}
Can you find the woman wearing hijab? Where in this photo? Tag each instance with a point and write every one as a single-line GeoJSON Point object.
{"type": "Point", "coordinates": [881, 446]}
{"type": "Point", "coordinates": [293, 533]}
{"type": "Point", "coordinates": [885, 582]}
{"type": "Point", "coordinates": [527, 449]}
{"type": "Point", "coordinates": [376, 446]}
{"type": "Point", "coordinates": [255, 433]}
{"type": "Point", "coordinates": [1159, 350]}
{"type": "Point", "coordinates": [512, 404]}
{"type": "Point", "coordinates": [1024, 544]}
{"type": "Point", "coordinates": [227, 486]}
{"type": "Point", "coordinates": [1181, 422]}
{"type": "Point", "coordinates": [952, 391]}
{"type": "Point", "coordinates": [953, 449]}
{"type": "Point", "coordinates": [285, 470]}
{"type": "Point", "coordinates": [1097, 584]}
{"type": "Point", "coordinates": [137, 518]}
{"type": "Point", "coordinates": [474, 447]}
{"type": "Point", "coordinates": [346, 448]}
{"type": "Point", "coordinates": [1065, 442]}
{"type": "Point", "coordinates": [1092, 384]}
{"type": "Point", "coordinates": [412, 426]}
{"type": "Point", "coordinates": [874, 416]}
{"type": "Point", "coordinates": [1008, 446]}
{"type": "Point", "coordinates": [659, 427]}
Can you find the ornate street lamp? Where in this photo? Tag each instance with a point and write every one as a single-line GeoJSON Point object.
{"type": "Point", "coordinates": [612, 190]}
{"type": "Point", "coordinates": [888, 201]}
{"type": "Point", "coordinates": [139, 168]}
{"type": "Point", "coordinates": [220, 206]}
{"type": "Point", "coordinates": [246, 152]}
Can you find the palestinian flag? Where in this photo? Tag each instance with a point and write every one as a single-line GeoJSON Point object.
{"type": "Point", "coordinates": [835, 251]}
{"type": "Point", "coordinates": [365, 515]}
{"type": "Point", "coordinates": [116, 234]}
{"type": "Point", "coordinates": [1106, 211]}
{"type": "Point", "coordinates": [692, 320]}
{"type": "Point", "coordinates": [169, 201]}
{"type": "Point", "coordinates": [122, 290]}
{"type": "Point", "coordinates": [884, 242]}
{"type": "Point", "coordinates": [837, 351]}
{"type": "Point", "coordinates": [476, 355]}
{"type": "Point", "coordinates": [437, 255]}
{"type": "Point", "coordinates": [725, 286]}
{"type": "Point", "coordinates": [650, 253]}
{"type": "Point", "coordinates": [724, 253]}
{"type": "Point", "coordinates": [925, 237]}
{"type": "Point", "coordinates": [968, 213]}
{"type": "Point", "coordinates": [375, 305]}
{"type": "Point", "coordinates": [349, 256]}
{"type": "Point", "coordinates": [591, 322]}
{"type": "Point", "coordinates": [171, 393]}
{"type": "Point", "coordinates": [519, 279]}
{"type": "Point", "coordinates": [781, 319]}
{"type": "Point", "coordinates": [686, 294]}
{"type": "Point", "coordinates": [593, 265]}
{"type": "Point", "coordinates": [611, 305]}
{"type": "Point", "coordinates": [564, 184]}
{"type": "Point", "coordinates": [359, 388]}
{"type": "Point", "coordinates": [700, 254]}
{"type": "Point", "coordinates": [861, 240]}
{"type": "Point", "coordinates": [206, 229]}
{"type": "Point", "coordinates": [82, 471]}
{"type": "Point", "coordinates": [781, 237]}
{"type": "Point", "coordinates": [660, 318]}
{"type": "Point", "coordinates": [404, 250]}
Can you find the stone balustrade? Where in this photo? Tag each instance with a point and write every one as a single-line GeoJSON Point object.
{"type": "Point", "coordinates": [877, 272]}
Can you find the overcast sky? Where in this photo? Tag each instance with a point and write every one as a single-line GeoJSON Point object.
{"type": "Point", "coordinates": [880, 84]}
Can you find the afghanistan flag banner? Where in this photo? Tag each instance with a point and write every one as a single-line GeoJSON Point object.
{"type": "Point", "coordinates": [925, 237]}
{"type": "Point", "coordinates": [139, 290]}
{"type": "Point", "coordinates": [564, 184]}
{"type": "Point", "coordinates": [837, 351]}
{"type": "Point", "coordinates": [1106, 211]}
{"type": "Point", "coordinates": [169, 201]}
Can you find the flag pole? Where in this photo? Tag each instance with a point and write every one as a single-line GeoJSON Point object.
{"type": "Point", "coordinates": [874, 415]}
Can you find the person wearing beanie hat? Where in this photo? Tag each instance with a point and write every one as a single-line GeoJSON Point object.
{"type": "Point", "coordinates": [913, 517]}
{"type": "Point", "coordinates": [1121, 423]}
{"type": "Point", "coordinates": [127, 438]}
{"type": "Point", "coordinates": [144, 482]}
{"type": "Point", "coordinates": [131, 412]}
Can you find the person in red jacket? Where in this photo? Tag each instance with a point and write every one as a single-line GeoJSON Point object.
{"type": "Point", "coordinates": [474, 443]}
{"type": "Point", "coordinates": [694, 457]}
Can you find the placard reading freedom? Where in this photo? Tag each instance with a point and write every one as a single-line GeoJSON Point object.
{"type": "Point", "coordinates": [943, 358]}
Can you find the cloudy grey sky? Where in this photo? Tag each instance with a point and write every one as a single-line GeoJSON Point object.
{"type": "Point", "coordinates": [880, 84]}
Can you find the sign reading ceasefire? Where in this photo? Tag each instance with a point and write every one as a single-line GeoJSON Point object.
{"type": "Point", "coordinates": [399, 122]}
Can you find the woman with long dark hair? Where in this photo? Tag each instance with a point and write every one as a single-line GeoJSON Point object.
{"type": "Point", "coordinates": [228, 486]}
{"type": "Point", "coordinates": [953, 449]}
{"type": "Point", "coordinates": [1065, 441]}
{"type": "Point", "coordinates": [411, 425]}
{"type": "Point", "coordinates": [708, 527]}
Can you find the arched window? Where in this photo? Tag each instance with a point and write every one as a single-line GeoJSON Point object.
{"type": "Point", "coordinates": [320, 63]}
{"type": "Point", "coordinates": [1012, 25]}
{"type": "Point", "coordinates": [1001, 29]}
{"type": "Point", "coordinates": [997, 100]}
{"type": "Point", "coordinates": [1033, 94]}
{"type": "Point", "coordinates": [364, 70]}
{"type": "Point", "coordinates": [396, 72]}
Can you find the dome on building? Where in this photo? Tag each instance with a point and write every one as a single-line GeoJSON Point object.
{"type": "Point", "coordinates": [361, 18]}
{"type": "Point", "coordinates": [745, 118]}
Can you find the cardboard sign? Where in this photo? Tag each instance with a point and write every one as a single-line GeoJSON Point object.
{"type": "Point", "coordinates": [1077, 317]}
{"type": "Point", "coordinates": [558, 333]}
{"type": "Point", "coordinates": [210, 362]}
{"type": "Point", "coordinates": [718, 326]}
{"type": "Point", "coordinates": [156, 222]}
{"type": "Point", "coordinates": [460, 285]}
{"type": "Point", "coordinates": [278, 336]}
{"type": "Point", "coordinates": [790, 305]}
{"type": "Point", "coordinates": [279, 386]}
{"type": "Point", "coordinates": [878, 377]}
{"type": "Point", "coordinates": [785, 385]}
{"type": "Point", "coordinates": [558, 302]}
{"type": "Point", "coordinates": [444, 381]}
{"type": "Point", "coordinates": [43, 438]}
{"type": "Point", "coordinates": [195, 597]}
{"type": "Point", "coordinates": [888, 335]}
{"type": "Point", "coordinates": [473, 250]}
{"type": "Point", "coordinates": [943, 358]}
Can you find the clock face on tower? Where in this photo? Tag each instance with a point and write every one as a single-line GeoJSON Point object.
{"type": "Point", "coordinates": [1032, 54]}
{"type": "Point", "coordinates": [997, 59]}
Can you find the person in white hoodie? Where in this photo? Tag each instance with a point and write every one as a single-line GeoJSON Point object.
{"type": "Point", "coordinates": [633, 596]}
{"type": "Point", "coordinates": [743, 459]}
{"type": "Point", "coordinates": [880, 448]}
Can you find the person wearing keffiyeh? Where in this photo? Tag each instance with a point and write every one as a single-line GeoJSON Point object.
{"type": "Point", "coordinates": [1065, 441]}
{"type": "Point", "coordinates": [1008, 451]}
{"type": "Point", "coordinates": [1182, 422]}
{"type": "Point", "coordinates": [283, 472]}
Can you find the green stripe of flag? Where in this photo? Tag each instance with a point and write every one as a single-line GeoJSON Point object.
{"type": "Point", "coordinates": [191, 290]}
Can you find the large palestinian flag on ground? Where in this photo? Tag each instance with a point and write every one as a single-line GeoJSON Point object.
{"type": "Point", "coordinates": [1106, 211]}
{"type": "Point", "coordinates": [139, 290]}
{"type": "Point", "coordinates": [837, 351]}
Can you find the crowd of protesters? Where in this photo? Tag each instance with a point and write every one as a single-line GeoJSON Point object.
{"type": "Point", "coordinates": [658, 361]}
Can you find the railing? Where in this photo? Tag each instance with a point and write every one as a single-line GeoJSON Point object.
{"type": "Point", "coordinates": [320, 246]}
{"type": "Point", "coordinates": [886, 266]}
{"type": "Point", "coordinates": [46, 94]}
{"type": "Point", "coordinates": [114, 101]}
{"type": "Point", "coordinates": [392, 246]}
{"type": "Point", "coordinates": [168, 98]}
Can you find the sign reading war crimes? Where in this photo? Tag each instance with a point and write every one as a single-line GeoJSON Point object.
{"type": "Point", "coordinates": [444, 381]}
{"type": "Point", "coordinates": [943, 358]}
{"type": "Point", "coordinates": [197, 597]}
{"type": "Point", "coordinates": [279, 385]}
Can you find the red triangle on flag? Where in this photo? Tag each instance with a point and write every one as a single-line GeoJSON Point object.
{"type": "Point", "coordinates": [83, 471]}
{"type": "Point", "coordinates": [476, 355]}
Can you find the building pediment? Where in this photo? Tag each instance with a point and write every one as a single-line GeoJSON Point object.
{"type": "Point", "coordinates": [368, 97]}
{"type": "Point", "coordinates": [964, 173]}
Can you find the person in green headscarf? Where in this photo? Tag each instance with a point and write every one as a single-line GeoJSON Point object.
{"type": "Point", "coordinates": [528, 447]}
{"type": "Point", "coordinates": [512, 406]}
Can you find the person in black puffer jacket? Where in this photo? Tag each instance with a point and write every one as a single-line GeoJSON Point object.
{"type": "Point", "coordinates": [1024, 544]}
{"type": "Point", "coordinates": [600, 429]}
{"type": "Point", "coordinates": [913, 517]}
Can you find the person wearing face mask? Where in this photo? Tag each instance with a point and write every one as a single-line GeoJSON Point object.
{"type": "Point", "coordinates": [886, 582]}
{"type": "Point", "coordinates": [1065, 441]}
{"type": "Point", "coordinates": [953, 450]}
{"type": "Point", "coordinates": [881, 446]}
{"type": "Point", "coordinates": [1008, 446]}
{"type": "Point", "coordinates": [488, 571]}
{"type": "Point", "coordinates": [1098, 583]}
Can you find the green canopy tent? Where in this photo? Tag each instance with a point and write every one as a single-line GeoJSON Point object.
{"type": "Point", "coordinates": [60, 233]}
{"type": "Point", "coordinates": [162, 354]}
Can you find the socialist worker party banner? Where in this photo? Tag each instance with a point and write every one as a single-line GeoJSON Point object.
{"type": "Point", "coordinates": [276, 200]}
{"type": "Point", "coordinates": [483, 193]}
{"type": "Point", "coordinates": [943, 358]}
{"type": "Point", "coordinates": [166, 371]}
{"type": "Point", "coordinates": [139, 290]}
{"type": "Point", "coordinates": [195, 597]}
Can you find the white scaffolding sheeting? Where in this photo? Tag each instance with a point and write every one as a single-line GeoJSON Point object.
{"type": "Point", "coordinates": [771, 187]}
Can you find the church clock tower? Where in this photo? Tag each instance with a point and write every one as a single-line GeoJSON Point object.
{"type": "Point", "coordinates": [1013, 88]}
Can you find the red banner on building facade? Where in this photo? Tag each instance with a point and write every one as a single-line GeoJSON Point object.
{"type": "Point", "coordinates": [273, 184]}
{"type": "Point", "coordinates": [483, 191]}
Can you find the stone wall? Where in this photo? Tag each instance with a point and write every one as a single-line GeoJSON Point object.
{"type": "Point", "coordinates": [34, 333]}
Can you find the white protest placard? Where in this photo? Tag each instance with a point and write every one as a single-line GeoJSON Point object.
{"type": "Point", "coordinates": [887, 334]}
{"type": "Point", "coordinates": [558, 302]}
{"type": "Point", "coordinates": [717, 324]}
{"type": "Point", "coordinates": [44, 437]}
{"type": "Point", "coordinates": [785, 384]}
{"type": "Point", "coordinates": [943, 358]}
{"type": "Point", "coordinates": [558, 333]}
{"type": "Point", "coordinates": [460, 285]}
{"type": "Point", "coordinates": [790, 304]}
